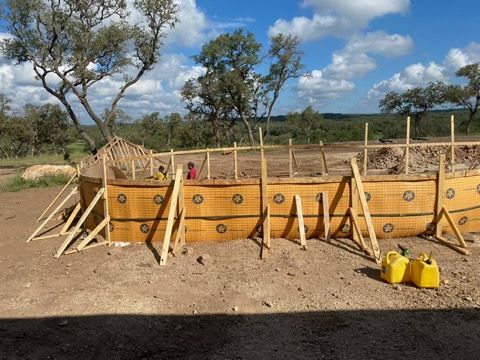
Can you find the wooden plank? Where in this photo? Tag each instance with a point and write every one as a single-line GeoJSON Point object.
{"type": "Point", "coordinates": [134, 175]}
{"type": "Point", "coordinates": [407, 149]}
{"type": "Point", "coordinates": [354, 208]}
{"type": "Point", "coordinates": [151, 162]}
{"type": "Point", "coordinates": [356, 224]}
{"type": "Point", "coordinates": [457, 248]}
{"type": "Point", "coordinates": [58, 195]}
{"type": "Point", "coordinates": [80, 222]}
{"type": "Point", "coordinates": [50, 236]}
{"type": "Point", "coordinates": [325, 166]}
{"type": "Point", "coordinates": [171, 215]}
{"type": "Point", "coordinates": [366, 211]}
{"type": "Point", "coordinates": [172, 162]}
{"type": "Point", "coordinates": [260, 140]}
{"type": "Point", "coordinates": [47, 219]}
{"type": "Point", "coordinates": [93, 233]}
{"type": "Point", "coordinates": [267, 228]}
{"type": "Point", "coordinates": [452, 146]}
{"type": "Point", "coordinates": [290, 158]}
{"type": "Point", "coordinates": [106, 212]}
{"type": "Point", "coordinates": [235, 160]}
{"type": "Point", "coordinates": [264, 197]}
{"type": "Point", "coordinates": [70, 219]}
{"type": "Point", "coordinates": [180, 235]}
{"type": "Point", "coordinates": [454, 227]}
{"type": "Point", "coordinates": [295, 162]}
{"type": "Point", "coordinates": [326, 216]}
{"type": "Point", "coordinates": [365, 151]}
{"type": "Point", "coordinates": [208, 164]}
{"type": "Point", "coordinates": [301, 224]}
{"type": "Point", "coordinates": [440, 194]}
{"type": "Point", "coordinates": [73, 251]}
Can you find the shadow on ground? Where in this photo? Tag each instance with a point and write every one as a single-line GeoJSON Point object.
{"type": "Point", "coordinates": [399, 334]}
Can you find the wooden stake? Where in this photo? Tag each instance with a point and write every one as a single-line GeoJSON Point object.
{"type": "Point", "coordinates": [235, 160]}
{"type": "Point", "coordinates": [260, 140]}
{"type": "Point", "coordinates": [180, 235]}
{"type": "Point", "coordinates": [171, 215]}
{"type": "Point", "coordinates": [208, 164]}
{"type": "Point", "coordinates": [366, 211]}
{"type": "Point", "coordinates": [70, 219]}
{"type": "Point", "coordinates": [172, 162]}
{"type": "Point", "coordinates": [86, 247]}
{"type": "Point", "coordinates": [290, 158]}
{"type": "Point", "coordinates": [365, 151]}
{"type": "Point", "coordinates": [356, 225]}
{"type": "Point", "coordinates": [325, 167]}
{"type": "Point", "coordinates": [106, 213]}
{"type": "Point", "coordinates": [44, 222]}
{"type": "Point", "coordinates": [407, 148]}
{"type": "Point", "coordinates": [326, 216]}
{"type": "Point", "coordinates": [440, 194]}
{"type": "Point", "coordinates": [454, 227]}
{"type": "Point", "coordinates": [354, 209]}
{"type": "Point", "coordinates": [457, 248]}
{"type": "Point", "coordinates": [301, 224]}
{"type": "Point", "coordinates": [80, 222]}
{"type": "Point", "coordinates": [93, 233]}
{"type": "Point", "coordinates": [58, 195]}
{"type": "Point", "coordinates": [50, 236]}
{"type": "Point", "coordinates": [151, 162]}
{"type": "Point", "coordinates": [452, 146]}
{"type": "Point", "coordinates": [265, 214]}
{"type": "Point", "coordinates": [133, 170]}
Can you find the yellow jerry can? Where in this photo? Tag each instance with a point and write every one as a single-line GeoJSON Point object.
{"type": "Point", "coordinates": [424, 272]}
{"type": "Point", "coordinates": [395, 268]}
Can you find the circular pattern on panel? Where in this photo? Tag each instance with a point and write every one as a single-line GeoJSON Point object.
{"type": "Point", "coordinates": [158, 199]}
{"type": "Point", "coordinates": [450, 194]}
{"type": "Point", "coordinates": [122, 198]}
{"type": "Point", "coordinates": [144, 228]}
{"type": "Point", "coordinates": [408, 195]}
{"type": "Point", "coordinates": [278, 198]}
{"type": "Point", "coordinates": [478, 188]}
{"type": "Point", "coordinates": [368, 196]}
{"type": "Point", "coordinates": [237, 199]}
{"type": "Point", "coordinates": [221, 228]}
{"type": "Point", "coordinates": [345, 228]}
{"type": "Point", "coordinates": [463, 220]}
{"type": "Point", "coordinates": [431, 227]}
{"type": "Point", "coordinates": [197, 199]}
{"type": "Point", "coordinates": [388, 228]}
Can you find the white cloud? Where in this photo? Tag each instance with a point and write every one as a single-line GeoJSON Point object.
{"type": "Point", "coordinates": [337, 17]}
{"type": "Point", "coordinates": [457, 58]}
{"type": "Point", "coordinates": [316, 88]}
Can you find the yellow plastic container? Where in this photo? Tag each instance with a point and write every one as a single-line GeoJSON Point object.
{"type": "Point", "coordinates": [395, 268]}
{"type": "Point", "coordinates": [424, 272]}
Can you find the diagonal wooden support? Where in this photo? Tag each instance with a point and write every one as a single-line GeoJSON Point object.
{"type": "Point", "coordinates": [80, 222]}
{"type": "Point", "coordinates": [361, 241]}
{"type": "Point", "coordinates": [366, 211]}
{"type": "Point", "coordinates": [301, 224]}
{"type": "Point", "coordinates": [456, 230]}
{"type": "Point", "coordinates": [58, 195]}
{"type": "Point", "coordinates": [101, 243]}
{"type": "Point", "coordinates": [178, 182]}
{"type": "Point", "coordinates": [93, 233]}
{"type": "Point", "coordinates": [49, 217]}
{"type": "Point", "coordinates": [326, 216]}
{"type": "Point", "coordinates": [70, 219]}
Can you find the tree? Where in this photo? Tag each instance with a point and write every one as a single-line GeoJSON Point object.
{"type": "Point", "coordinates": [415, 102]}
{"type": "Point", "coordinates": [467, 96]}
{"type": "Point", "coordinates": [232, 88]}
{"type": "Point", "coordinates": [75, 44]}
{"type": "Point", "coordinates": [305, 124]}
{"type": "Point", "coordinates": [287, 57]}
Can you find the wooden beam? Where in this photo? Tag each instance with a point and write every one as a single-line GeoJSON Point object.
{"type": "Point", "coordinates": [172, 161]}
{"type": "Point", "coordinates": [265, 214]}
{"type": "Point", "coordinates": [326, 216]}
{"type": "Point", "coordinates": [356, 224]}
{"type": "Point", "coordinates": [301, 224]}
{"type": "Point", "coordinates": [457, 248]}
{"type": "Point", "coordinates": [80, 222]}
{"type": "Point", "coordinates": [295, 162]}
{"type": "Point", "coordinates": [106, 212]}
{"type": "Point", "coordinates": [452, 141]}
{"type": "Point", "coordinates": [325, 166]}
{"type": "Point", "coordinates": [151, 162]}
{"type": "Point", "coordinates": [47, 219]}
{"type": "Point", "coordinates": [134, 175]}
{"type": "Point", "coordinates": [365, 151]}
{"type": "Point", "coordinates": [454, 227]}
{"type": "Point", "coordinates": [208, 164]}
{"type": "Point", "coordinates": [70, 219]}
{"type": "Point", "coordinates": [179, 240]}
{"type": "Point", "coordinates": [407, 143]}
{"type": "Point", "coordinates": [93, 233]}
{"type": "Point", "coordinates": [235, 160]}
{"type": "Point", "coordinates": [58, 195]}
{"type": "Point", "coordinates": [86, 247]}
{"type": "Point", "coordinates": [178, 182]}
{"type": "Point", "coordinates": [354, 208]}
{"type": "Point", "coordinates": [290, 158]}
{"type": "Point", "coordinates": [50, 236]}
{"type": "Point", "coordinates": [440, 195]}
{"type": "Point", "coordinates": [366, 211]}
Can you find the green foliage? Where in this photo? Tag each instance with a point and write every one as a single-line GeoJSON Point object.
{"type": "Point", "coordinates": [17, 183]}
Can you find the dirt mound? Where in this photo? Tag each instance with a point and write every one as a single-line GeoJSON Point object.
{"type": "Point", "coordinates": [36, 171]}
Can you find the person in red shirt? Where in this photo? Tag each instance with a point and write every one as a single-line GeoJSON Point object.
{"type": "Point", "coordinates": [192, 172]}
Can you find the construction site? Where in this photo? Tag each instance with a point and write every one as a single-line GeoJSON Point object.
{"type": "Point", "coordinates": [269, 244]}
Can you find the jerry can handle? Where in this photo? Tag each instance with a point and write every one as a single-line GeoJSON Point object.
{"type": "Point", "coordinates": [389, 254]}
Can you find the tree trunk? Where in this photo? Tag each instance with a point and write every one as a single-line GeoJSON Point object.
{"type": "Point", "coordinates": [469, 122]}
{"type": "Point", "coordinates": [91, 143]}
{"type": "Point", "coordinates": [107, 134]}
{"type": "Point", "coordinates": [249, 130]}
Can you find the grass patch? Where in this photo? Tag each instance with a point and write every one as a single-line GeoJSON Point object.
{"type": "Point", "coordinates": [16, 183]}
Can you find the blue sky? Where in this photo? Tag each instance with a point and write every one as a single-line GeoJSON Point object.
{"type": "Point", "coordinates": [355, 51]}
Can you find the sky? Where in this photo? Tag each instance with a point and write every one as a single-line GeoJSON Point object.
{"type": "Point", "coordinates": [355, 52]}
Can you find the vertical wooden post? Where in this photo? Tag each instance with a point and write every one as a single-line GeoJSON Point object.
{"type": "Point", "coordinates": [151, 162]}
{"type": "Point", "coordinates": [208, 164]}
{"type": "Point", "coordinates": [452, 145]}
{"type": "Point", "coordinates": [260, 140]}
{"type": "Point", "coordinates": [407, 148]}
{"type": "Point", "coordinates": [105, 200]}
{"type": "Point", "coordinates": [324, 160]}
{"type": "Point", "coordinates": [133, 170]}
{"type": "Point", "coordinates": [235, 160]}
{"type": "Point", "coordinates": [301, 224]}
{"type": "Point", "coordinates": [290, 165]}
{"type": "Point", "coordinates": [265, 213]}
{"type": "Point", "coordinates": [365, 151]}
{"type": "Point", "coordinates": [326, 216]}
{"type": "Point", "coordinates": [172, 163]}
{"type": "Point", "coordinates": [440, 194]}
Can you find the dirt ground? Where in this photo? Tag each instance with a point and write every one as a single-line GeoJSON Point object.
{"type": "Point", "coordinates": [327, 302]}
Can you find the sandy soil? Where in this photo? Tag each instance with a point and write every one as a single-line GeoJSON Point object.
{"type": "Point", "coordinates": [327, 302]}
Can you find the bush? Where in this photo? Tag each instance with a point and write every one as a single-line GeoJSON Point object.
{"type": "Point", "coordinates": [17, 183]}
